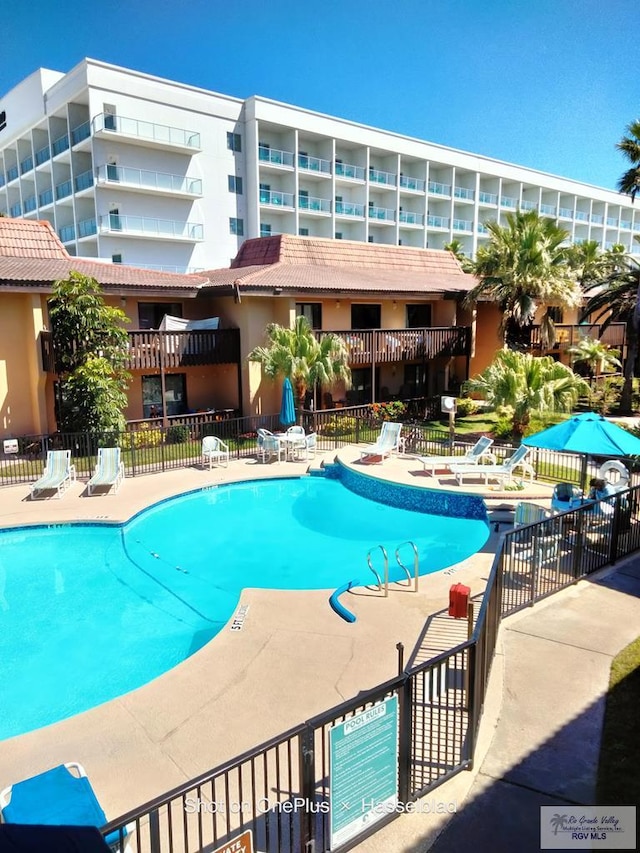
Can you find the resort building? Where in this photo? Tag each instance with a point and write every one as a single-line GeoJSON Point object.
{"type": "Point", "coordinates": [149, 172]}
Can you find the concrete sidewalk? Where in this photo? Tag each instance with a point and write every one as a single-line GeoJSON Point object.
{"type": "Point", "coordinates": [540, 736]}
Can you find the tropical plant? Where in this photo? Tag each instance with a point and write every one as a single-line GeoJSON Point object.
{"type": "Point", "coordinates": [305, 359]}
{"type": "Point", "coordinates": [597, 356]}
{"type": "Point", "coordinates": [90, 349]}
{"type": "Point", "coordinates": [528, 384]}
{"type": "Point", "coordinates": [525, 265]}
{"type": "Point", "coordinates": [457, 249]}
{"type": "Point", "coordinates": [629, 182]}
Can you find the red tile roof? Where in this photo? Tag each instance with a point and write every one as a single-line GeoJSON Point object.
{"type": "Point", "coordinates": [31, 255]}
{"type": "Point", "coordinates": [311, 264]}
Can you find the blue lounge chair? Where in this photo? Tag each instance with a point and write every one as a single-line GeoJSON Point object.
{"type": "Point", "coordinates": [58, 474]}
{"type": "Point", "coordinates": [109, 470]}
{"type": "Point", "coordinates": [502, 473]}
{"type": "Point", "coordinates": [62, 796]}
{"type": "Point", "coordinates": [471, 457]}
{"type": "Point", "coordinates": [389, 441]}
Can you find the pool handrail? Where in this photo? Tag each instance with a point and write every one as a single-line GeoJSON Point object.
{"type": "Point", "coordinates": [386, 569]}
{"type": "Point", "coordinates": [336, 604]}
{"type": "Point", "coordinates": [416, 563]}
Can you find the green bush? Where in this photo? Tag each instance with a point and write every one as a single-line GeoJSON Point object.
{"type": "Point", "coordinates": [178, 434]}
{"type": "Point", "coordinates": [392, 411]}
{"type": "Point", "coordinates": [144, 436]}
{"type": "Point", "coordinates": [465, 406]}
{"type": "Point", "coordinates": [339, 426]}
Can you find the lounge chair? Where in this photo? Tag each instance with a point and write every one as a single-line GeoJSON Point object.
{"type": "Point", "coordinates": [502, 473]}
{"type": "Point", "coordinates": [214, 450]}
{"type": "Point", "coordinates": [270, 445]}
{"type": "Point", "coordinates": [471, 457]}
{"type": "Point", "coordinates": [58, 473]}
{"type": "Point", "coordinates": [389, 441]}
{"type": "Point", "coordinates": [62, 796]}
{"type": "Point", "coordinates": [109, 470]}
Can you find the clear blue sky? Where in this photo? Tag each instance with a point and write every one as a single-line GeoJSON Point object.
{"type": "Point", "coordinates": [550, 84]}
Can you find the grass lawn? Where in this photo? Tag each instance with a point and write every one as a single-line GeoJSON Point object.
{"type": "Point", "coordinates": [618, 776]}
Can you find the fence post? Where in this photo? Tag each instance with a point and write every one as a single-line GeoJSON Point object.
{"type": "Point", "coordinates": [306, 757]}
{"type": "Point", "coordinates": [405, 739]}
{"type": "Point", "coordinates": [132, 448]}
{"type": "Point", "coordinates": [615, 530]}
{"type": "Point", "coordinates": [154, 832]}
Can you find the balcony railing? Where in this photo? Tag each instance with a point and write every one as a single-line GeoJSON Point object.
{"type": "Point", "coordinates": [314, 164]}
{"type": "Point", "coordinates": [611, 220]}
{"type": "Point", "coordinates": [114, 223]}
{"type": "Point", "coordinates": [317, 205]}
{"type": "Point", "coordinates": [275, 156]}
{"type": "Point", "coordinates": [436, 188]}
{"type": "Point", "coordinates": [565, 212]}
{"type": "Point", "coordinates": [87, 228]}
{"type": "Point", "coordinates": [83, 181]}
{"type": "Point", "coordinates": [67, 233]}
{"type": "Point", "coordinates": [462, 225]}
{"type": "Point", "coordinates": [82, 131]}
{"type": "Point", "coordinates": [625, 223]}
{"type": "Point", "coordinates": [525, 204]}
{"type": "Point", "coordinates": [409, 183]}
{"type": "Point", "coordinates": [508, 201]}
{"type": "Point", "coordinates": [437, 221]}
{"type": "Point", "coordinates": [549, 209]}
{"type": "Point", "coordinates": [275, 198]}
{"type": "Point", "coordinates": [45, 198]}
{"type": "Point", "coordinates": [464, 192]}
{"type": "Point", "coordinates": [15, 210]}
{"type": "Point", "coordinates": [347, 170]}
{"type": "Point", "coordinates": [569, 336]}
{"type": "Point", "coordinates": [487, 198]}
{"type": "Point", "coordinates": [153, 350]}
{"type": "Point", "coordinates": [346, 208]}
{"type": "Point", "coordinates": [597, 218]}
{"type": "Point", "coordinates": [63, 190]}
{"type": "Point", "coordinates": [43, 155]}
{"type": "Point", "coordinates": [407, 217]}
{"type": "Point", "coordinates": [30, 204]}
{"type": "Point", "coordinates": [385, 178]}
{"type": "Point", "coordinates": [382, 213]}
{"type": "Point", "coordinates": [161, 181]}
{"type": "Point", "coordinates": [147, 130]}
{"type": "Point", "coordinates": [26, 165]}
{"type": "Point", "coordinates": [582, 216]}
{"type": "Point", "coordinates": [398, 345]}
{"type": "Point", "coordinates": [12, 173]}
{"type": "Point", "coordinates": [60, 144]}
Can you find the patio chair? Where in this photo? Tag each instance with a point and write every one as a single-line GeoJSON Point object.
{"type": "Point", "coordinates": [565, 496]}
{"type": "Point", "coordinates": [479, 450]}
{"type": "Point", "coordinates": [306, 448]}
{"type": "Point", "coordinates": [388, 442]}
{"type": "Point", "coordinates": [58, 474]}
{"type": "Point", "coordinates": [214, 450]}
{"type": "Point", "coordinates": [109, 470]}
{"type": "Point", "coordinates": [62, 796]}
{"type": "Point", "coordinates": [501, 473]}
{"type": "Point", "coordinates": [270, 445]}
{"type": "Point", "coordinates": [539, 544]}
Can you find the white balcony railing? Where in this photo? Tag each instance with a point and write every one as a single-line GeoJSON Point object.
{"type": "Point", "coordinates": [464, 193]}
{"type": "Point", "coordinates": [385, 178]}
{"type": "Point", "coordinates": [314, 164]}
{"type": "Point", "coordinates": [508, 201]}
{"type": "Point", "coordinates": [487, 198]}
{"type": "Point", "coordinates": [275, 156]}
{"type": "Point", "coordinates": [437, 221]}
{"type": "Point", "coordinates": [316, 205]}
{"type": "Point", "coordinates": [409, 183]}
{"type": "Point", "coordinates": [146, 130]}
{"type": "Point", "coordinates": [160, 181]}
{"type": "Point", "coordinates": [347, 208]}
{"type": "Point", "coordinates": [383, 214]}
{"type": "Point", "coordinates": [407, 217]}
{"type": "Point", "coordinates": [115, 223]}
{"type": "Point", "coordinates": [462, 225]}
{"type": "Point", "coordinates": [347, 170]}
{"type": "Point", "coordinates": [436, 188]}
{"type": "Point", "coordinates": [275, 198]}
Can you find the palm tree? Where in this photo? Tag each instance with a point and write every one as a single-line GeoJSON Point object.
{"type": "Point", "coordinates": [629, 182]}
{"type": "Point", "coordinates": [526, 264]}
{"type": "Point", "coordinates": [527, 383]}
{"type": "Point", "coordinates": [615, 300]}
{"type": "Point", "coordinates": [598, 357]}
{"type": "Point", "coordinates": [307, 361]}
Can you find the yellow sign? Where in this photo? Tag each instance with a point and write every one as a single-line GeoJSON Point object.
{"type": "Point", "coordinates": [242, 844]}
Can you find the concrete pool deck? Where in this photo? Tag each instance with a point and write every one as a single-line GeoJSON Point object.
{"type": "Point", "coordinates": [292, 659]}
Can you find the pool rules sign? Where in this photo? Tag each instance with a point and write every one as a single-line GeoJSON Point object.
{"type": "Point", "coordinates": [363, 770]}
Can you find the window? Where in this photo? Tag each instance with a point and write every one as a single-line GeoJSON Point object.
{"type": "Point", "coordinates": [265, 193]}
{"type": "Point", "coordinates": [312, 311]}
{"type": "Point", "coordinates": [265, 229]}
{"type": "Point", "coordinates": [365, 316]}
{"type": "Point", "coordinates": [418, 316]}
{"type": "Point", "coordinates": [235, 184]}
{"type": "Point", "coordinates": [303, 232]}
{"type": "Point", "coordinates": [115, 223]}
{"type": "Point", "coordinates": [338, 235]}
{"type": "Point", "coordinates": [109, 111]}
{"type": "Point", "coordinates": [415, 381]}
{"type": "Point", "coordinates": [150, 314]}
{"type": "Point", "coordinates": [236, 226]}
{"type": "Point", "coordinates": [555, 313]}
{"type": "Point", "coordinates": [116, 259]}
{"type": "Point", "coordinates": [234, 142]}
{"type": "Point", "coordinates": [3, 120]}
{"type": "Point", "coordinates": [175, 395]}
{"type": "Point", "coordinates": [370, 238]}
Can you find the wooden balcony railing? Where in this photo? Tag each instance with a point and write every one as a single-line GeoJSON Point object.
{"type": "Point", "coordinates": [398, 345]}
{"type": "Point", "coordinates": [569, 336]}
{"type": "Point", "coordinates": [156, 349]}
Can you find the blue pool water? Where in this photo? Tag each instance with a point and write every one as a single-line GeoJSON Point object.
{"type": "Point", "coordinates": [89, 612]}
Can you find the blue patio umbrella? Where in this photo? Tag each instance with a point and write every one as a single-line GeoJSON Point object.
{"type": "Point", "coordinates": [588, 434]}
{"type": "Point", "coordinates": [287, 409]}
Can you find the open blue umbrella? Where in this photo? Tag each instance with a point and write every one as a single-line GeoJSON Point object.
{"type": "Point", "coordinates": [587, 434]}
{"type": "Point", "coordinates": [287, 409]}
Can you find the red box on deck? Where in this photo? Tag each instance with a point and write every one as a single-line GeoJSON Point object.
{"type": "Point", "coordinates": [459, 600]}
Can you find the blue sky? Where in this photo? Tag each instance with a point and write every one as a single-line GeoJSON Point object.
{"type": "Point", "coordinates": [550, 84]}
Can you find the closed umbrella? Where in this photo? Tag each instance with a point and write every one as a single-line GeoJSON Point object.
{"type": "Point", "coordinates": [287, 409]}
{"type": "Point", "coordinates": [588, 434]}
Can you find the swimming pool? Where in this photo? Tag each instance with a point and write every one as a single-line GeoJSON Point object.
{"type": "Point", "coordinates": [91, 611]}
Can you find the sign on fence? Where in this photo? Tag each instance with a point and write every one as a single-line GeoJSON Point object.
{"type": "Point", "coordinates": [363, 770]}
{"type": "Point", "coordinates": [242, 844]}
{"type": "Point", "coordinates": [10, 445]}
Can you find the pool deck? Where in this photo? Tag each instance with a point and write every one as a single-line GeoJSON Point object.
{"type": "Point", "coordinates": [293, 658]}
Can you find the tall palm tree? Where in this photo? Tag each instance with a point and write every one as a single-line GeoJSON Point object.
{"type": "Point", "coordinates": [526, 264]}
{"type": "Point", "coordinates": [629, 182]}
{"type": "Point", "coordinates": [527, 383]}
{"type": "Point", "coordinates": [307, 361]}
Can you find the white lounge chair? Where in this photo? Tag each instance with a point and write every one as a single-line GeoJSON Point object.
{"type": "Point", "coordinates": [479, 450]}
{"type": "Point", "coordinates": [58, 473]}
{"type": "Point", "coordinates": [389, 441]}
{"type": "Point", "coordinates": [502, 473]}
{"type": "Point", "coordinates": [109, 470]}
{"type": "Point", "coordinates": [214, 450]}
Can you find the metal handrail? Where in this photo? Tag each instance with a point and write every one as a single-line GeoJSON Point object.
{"type": "Point", "coordinates": [386, 569]}
{"type": "Point", "coordinates": [416, 563]}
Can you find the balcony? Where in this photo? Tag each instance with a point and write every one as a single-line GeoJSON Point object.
{"type": "Point", "coordinates": [87, 228]}
{"type": "Point", "coordinates": [384, 179]}
{"type": "Point", "coordinates": [508, 201]}
{"type": "Point", "coordinates": [145, 132]}
{"type": "Point", "coordinates": [30, 204]}
{"type": "Point", "coordinates": [147, 181]}
{"type": "Point", "coordinates": [408, 217]}
{"type": "Point", "coordinates": [437, 221]}
{"type": "Point", "coordinates": [154, 229]}
{"type": "Point", "coordinates": [60, 144]}
{"type": "Point", "coordinates": [464, 193]}
{"type": "Point", "coordinates": [275, 157]}
{"type": "Point", "coordinates": [314, 205]}
{"type": "Point", "coordinates": [462, 225]}
{"type": "Point", "coordinates": [81, 132]}
{"type": "Point", "coordinates": [63, 190]}
{"type": "Point", "coordinates": [525, 204]}
{"type": "Point", "coordinates": [612, 221]}
{"type": "Point", "coordinates": [67, 233]}
{"type": "Point", "coordinates": [487, 198]}
{"type": "Point", "coordinates": [346, 208]}
{"type": "Point", "coordinates": [597, 218]}
{"type": "Point", "coordinates": [155, 350]}
{"type": "Point", "coordinates": [12, 173]}
{"type": "Point", "coordinates": [26, 165]}
{"type": "Point", "coordinates": [83, 181]}
{"type": "Point", "coordinates": [626, 224]}
{"type": "Point", "coordinates": [43, 155]}
{"type": "Point", "coordinates": [548, 209]}
{"type": "Point", "coordinates": [275, 198]}
{"type": "Point", "coordinates": [413, 184]}
{"type": "Point", "coordinates": [349, 171]}
{"type": "Point", "coordinates": [15, 210]}
{"type": "Point", "coordinates": [565, 213]}
{"type": "Point", "coordinates": [314, 164]}
{"type": "Point", "coordinates": [381, 214]}
{"type": "Point", "coordinates": [45, 198]}
{"type": "Point", "coordinates": [569, 336]}
{"type": "Point", "coordinates": [399, 345]}
{"type": "Point", "coordinates": [581, 216]}
{"type": "Point", "coordinates": [436, 188]}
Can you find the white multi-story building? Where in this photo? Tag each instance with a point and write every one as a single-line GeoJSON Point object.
{"type": "Point", "coordinates": [140, 170]}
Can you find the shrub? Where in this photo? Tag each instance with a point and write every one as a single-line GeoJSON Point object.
{"type": "Point", "coordinates": [177, 434]}
{"type": "Point", "coordinates": [144, 436]}
{"type": "Point", "coordinates": [392, 411]}
{"type": "Point", "coordinates": [466, 406]}
{"type": "Point", "coordinates": [339, 426]}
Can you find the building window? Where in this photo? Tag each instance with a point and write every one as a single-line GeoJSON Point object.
{"type": "Point", "coordinates": [365, 316]}
{"type": "Point", "coordinates": [555, 313]}
{"type": "Point", "coordinates": [235, 184]}
{"type": "Point", "coordinates": [175, 395]}
{"type": "Point", "coordinates": [312, 311]}
{"type": "Point", "coordinates": [338, 235]}
{"type": "Point", "coordinates": [418, 316]}
{"type": "Point", "coordinates": [3, 120]}
{"type": "Point", "coordinates": [116, 259]}
{"type": "Point", "coordinates": [265, 229]}
{"type": "Point", "coordinates": [236, 226]}
{"type": "Point", "coordinates": [150, 314]}
{"type": "Point", "coordinates": [303, 232]}
{"type": "Point", "coordinates": [415, 381]}
{"type": "Point", "coordinates": [234, 142]}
